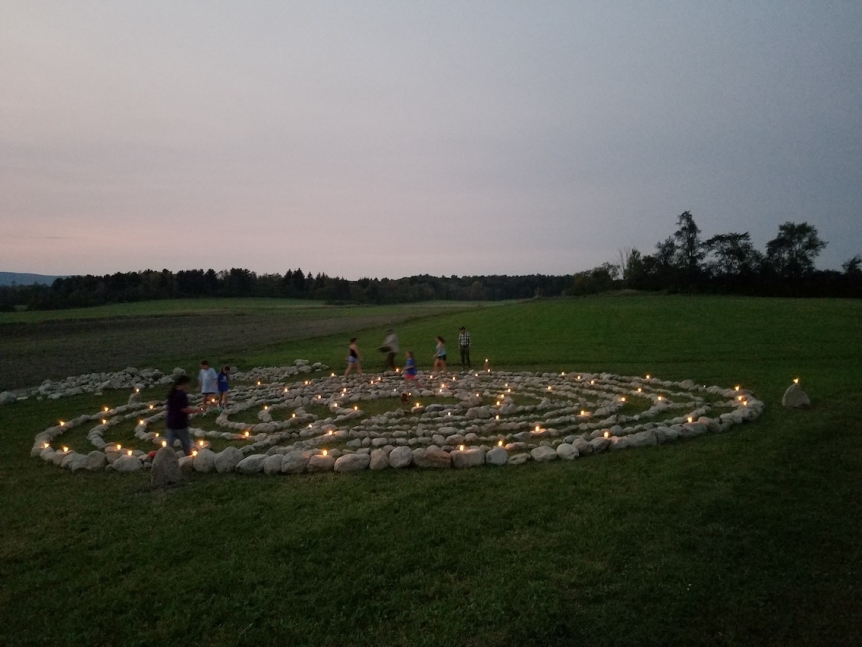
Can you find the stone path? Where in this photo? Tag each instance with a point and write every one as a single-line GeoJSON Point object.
{"type": "Point", "coordinates": [464, 420]}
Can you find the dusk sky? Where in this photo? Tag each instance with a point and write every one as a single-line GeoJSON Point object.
{"type": "Point", "coordinates": [387, 139]}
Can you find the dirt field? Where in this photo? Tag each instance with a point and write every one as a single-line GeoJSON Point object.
{"type": "Point", "coordinates": [32, 352]}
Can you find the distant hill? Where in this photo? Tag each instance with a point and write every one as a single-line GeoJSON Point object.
{"type": "Point", "coordinates": [18, 278]}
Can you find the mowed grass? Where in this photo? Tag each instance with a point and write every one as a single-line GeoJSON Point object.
{"type": "Point", "coordinates": [748, 537]}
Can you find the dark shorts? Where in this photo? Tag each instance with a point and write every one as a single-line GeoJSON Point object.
{"type": "Point", "coordinates": [223, 389]}
{"type": "Point", "coordinates": [183, 436]}
{"type": "Point", "coordinates": [442, 358]}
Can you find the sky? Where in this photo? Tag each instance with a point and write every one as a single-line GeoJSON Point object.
{"type": "Point", "coordinates": [387, 139]}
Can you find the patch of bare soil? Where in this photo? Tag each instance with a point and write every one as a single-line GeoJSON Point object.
{"type": "Point", "coordinates": [32, 352]}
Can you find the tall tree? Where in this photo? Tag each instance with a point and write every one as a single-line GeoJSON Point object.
{"type": "Point", "coordinates": [689, 249]}
{"type": "Point", "coordinates": [733, 254]}
{"type": "Point", "coordinates": [792, 252]}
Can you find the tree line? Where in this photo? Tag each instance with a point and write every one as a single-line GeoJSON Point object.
{"type": "Point", "coordinates": [683, 262]}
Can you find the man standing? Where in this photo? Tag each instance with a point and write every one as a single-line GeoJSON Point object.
{"type": "Point", "coordinates": [390, 347]}
{"type": "Point", "coordinates": [464, 346]}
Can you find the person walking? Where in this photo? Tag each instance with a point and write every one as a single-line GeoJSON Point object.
{"type": "Point", "coordinates": [177, 416]}
{"type": "Point", "coordinates": [208, 379]}
{"type": "Point", "coordinates": [223, 387]}
{"type": "Point", "coordinates": [390, 347]}
{"type": "Point", "coordinates": [464, 343]}
{"type": "Point", "coordinates": [353, 358]}
{"type": "Point", "coordinates": [440, 355]}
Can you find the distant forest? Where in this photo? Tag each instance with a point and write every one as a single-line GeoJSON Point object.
{"type": "Point", "coordinates": [683, 262]}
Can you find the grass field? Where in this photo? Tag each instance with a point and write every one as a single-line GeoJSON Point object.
{"type": "Point", "coordinates": [749, 537]}
{"type": "Point", "coordinates": [54, 344]}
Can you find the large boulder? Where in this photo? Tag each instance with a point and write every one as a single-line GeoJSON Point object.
{"type": "Point", "coordinates": [567, 452]}
{"type": "Point", "coordinates": [205, 460]}
{"type": "Point", "coordinates": [320, 463]}
{"type": "Point", "coordinates": [519, 459]}
{"type": "Point", "coordinates": [473, 457]}
{"type": "Point", "coordinates": [379, 460]}
{"type": "Point", "coordinates": [252, 464]}
{"type": "Point", "coordinates": [294, 463]}
{"type": "Point", "coordinates": [227, 460]}
{"type": "Point", "coordinates": [793, 397]}
{"type": "Point", "coordinates": [272, 464]}
{"type": "Point", "coordinates": [599, 444]}
{"type": "Point", "coordinates": [432, 458]}
{"type": "Point", "coordinates": [8, 398]}
{"type": "Point", "coordinates": [543, 454]}
{"type": "Point", "coordinates": [400, 457]}
{"type": "Point", "coordinates": [640, 439]}
{"type": "Point", "coordinates": [166, 468]}
{"type": "Point", "coordinates": [352, 463]}
{"type": "Point", "coordinates": [96, 461]}
{"type": "Point", "coordinates": [127, 463]}
{"type": "Point", "coordinates": [497, 456]}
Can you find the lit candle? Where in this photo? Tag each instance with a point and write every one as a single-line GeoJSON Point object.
{"type": "Point", "coordinates": [499, 443]}
{"type": "Point", "coordinates": [129, 453]}
{"type": "Point", "coordinates": [690, 419]}
{"type": "Point", "coordinates": [461, 448]}
{"type": "Point", "coordinates": [65, 449]}
{"type": "Point", "coordinates": [324, 452]}
{"type": "Point", "coordinates": [164, 443]}
{"type": "Point", "coordinates": [607, 434]}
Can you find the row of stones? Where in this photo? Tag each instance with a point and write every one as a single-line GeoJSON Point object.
{"type": "Point", "coordinates": [140, 379]}
{"type": "Point", "coordinates": [746, 408]}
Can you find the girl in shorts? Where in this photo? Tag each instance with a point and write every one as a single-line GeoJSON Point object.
{"type": "Point", "coordinates": [223, 387]}
{"type": "Point", "coordinates": [353, 358]}
{"type": "Point", "coordinates": [440, 355]}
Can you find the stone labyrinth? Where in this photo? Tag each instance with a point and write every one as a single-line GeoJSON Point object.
{"type": "Point", "coordinates": [314, 424]}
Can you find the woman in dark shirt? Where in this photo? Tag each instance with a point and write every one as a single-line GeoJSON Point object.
{"type": "Point", "coordinates": [177, 416]}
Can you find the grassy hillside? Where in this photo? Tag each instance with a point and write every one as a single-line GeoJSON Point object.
{"type": "Point", "coordinates": [749, 537]}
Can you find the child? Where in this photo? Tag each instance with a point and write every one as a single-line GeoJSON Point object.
{"type": "Point", "coordinates": [353, 357]}
{"type": "Point", "coordinates": [410, 369]}
{"type": "Point", "coordinates": [223, 386]}
{"type": "Point", "coordinates": [208, 379]}
{"type": "Point", "coordinates": [177, 416]}
{"type": "Point", "coordinates": [440, 355]}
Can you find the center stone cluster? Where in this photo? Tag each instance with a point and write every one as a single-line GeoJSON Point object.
{"type": "Point", "coordinates": [464, 420]}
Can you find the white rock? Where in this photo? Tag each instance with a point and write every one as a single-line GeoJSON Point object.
{"type": "Point", "coordinates": [205, 460]}
{"type": "Point", "coordinates": [379, 460]}
{"type": "Point", "coordinates": [400, 457]}
{"type": "Point", "coordinates": [497, 456]}
{"type": "Point", "coordinates": [227, 460]}
{"type": "Point", "coordinates": [567, 452]}
{"type": "Point", "coordinates": [272, 464]}
{"type": "Point", "coordinates": [794, 397]}
{"type": "Point", "coordinates": [543, 454]}
{"type": "Point", "coordinates": [352, 463]}
{"type": "Point", "coordinates": [473, 457]}
{"type": "Point", "coordinates": [252, 464]}
{"type": "Point", "coordinates": [320, 463]}
{"type": "Point", "coordinates": [127, 463]}
{"type": "Point", "coordinates": [520, 459]}
{"type": "Point", "coordinates": [294, 463]}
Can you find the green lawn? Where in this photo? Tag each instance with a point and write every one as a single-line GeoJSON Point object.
{"type": "Point", "coordinates": [748, 537]}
